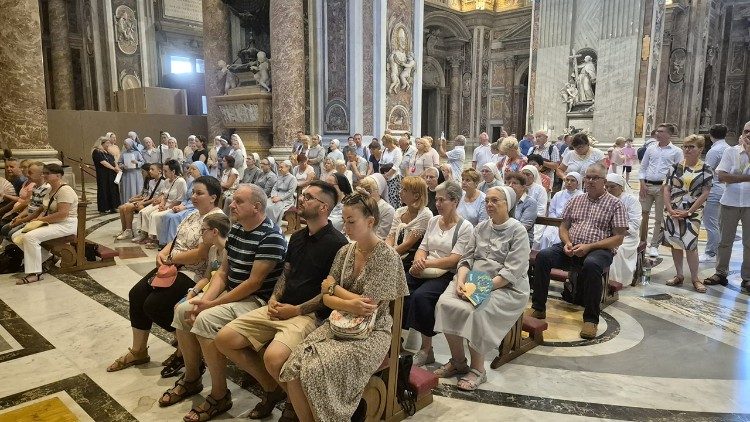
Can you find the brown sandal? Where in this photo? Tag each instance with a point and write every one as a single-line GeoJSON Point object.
{"type": "Point", "coordinates": [122, 362]}
{"type": "Point", "coordinates": [190, 388]}
{"type": "Point", "coordinates": [699, 287]}
{"type": "Point", "coordinates": [716, 279]}
{"type": "Point", "coordinates": [676, 281]}
{"type": "Point", "coordinates": [215, 407]}
{"type": "Point", "coordinates": [28, 279]}
{"type": "Point", "coordinates": [269, 400]}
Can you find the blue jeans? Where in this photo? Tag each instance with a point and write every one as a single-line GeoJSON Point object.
{"type": "Point", "coordinates": [711, 223]}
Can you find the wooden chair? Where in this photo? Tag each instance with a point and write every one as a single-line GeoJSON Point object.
{"type": "Point", "coordinates": [72, 249]}
{"type": "Point", "coordinates": [293, 220]}
{"type": "Point", "coordinates": [515, 343]}
{"type": "Point", "coordinates": [380, 392]}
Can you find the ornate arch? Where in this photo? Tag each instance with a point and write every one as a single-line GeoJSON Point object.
{"type": "Point", "coordinates": [522, 68]}
{"type": "Point", "coordinates": [429, 62]}
{"type": "Point", "coordinates": [450, 22]}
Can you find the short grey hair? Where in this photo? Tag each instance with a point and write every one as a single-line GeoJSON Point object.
{"type": "Point", "coordinates": [599, 167]}
{"type": "Point", "coordinates": [451, 189]}
{"type": "Point", "coordinates": [431, 169]}
{"type": "Point", "coordinates": [257, 194]}
{"type": "Point", "coordinates": [460, 140]}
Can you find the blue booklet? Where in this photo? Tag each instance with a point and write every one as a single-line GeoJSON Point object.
{"type": "Point", "coordinates": [478, 287]}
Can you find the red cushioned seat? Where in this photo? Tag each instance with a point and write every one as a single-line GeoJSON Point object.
{"type": "Point", "coordinates": [107, 253]}
{"type": "Point", "coordinates": [533, 325]}
{"type": "Point", "coordinates": [422, 380]}
{"type": "Point", "coordinates": [615, 286]}
{"type": "Point", "coordinates": [558, 275]}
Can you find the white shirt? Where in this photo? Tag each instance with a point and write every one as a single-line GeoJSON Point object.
{"type": "Point", "coordinates": [406, 159]}
{"type": "Point", "coordinates": [658, 161]}
{"type": "Point", "coordinates": [713, 158]}
{"type": "Point", "coordinates": [482, 155]}
{"type": "Point", "coordinates": [634, 210]}
{"type": "Point", "coordinates": [392, 157]}
{"type": "Point", "coordinates": [735, 161]}
{"type": "Point", "coordinates": [456, 158]}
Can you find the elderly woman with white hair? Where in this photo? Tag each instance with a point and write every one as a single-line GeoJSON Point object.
{"type": "Point", "coordinates": [131, 181]}
{"type": "Point", "coordinates": [490, 177]}
{"type": "Point", "coordinates": [335, 153]}
{"type": "Point", "coordinates": [149, 153]}
{"type": "Point", "coordinates": [315, 155]}
{"type": "Point", "coordinates": [376, 186]}
{"type": "Point", "coordinates": [499, 249]}
{"type": "Point", "coordinates": [282, 194]}
{"type": "Point", "coordinates": [626, 258]}
{"type": "Point", "coordinates": [189, 149]}
{"type": "Point", "coordinates": [571, 188]}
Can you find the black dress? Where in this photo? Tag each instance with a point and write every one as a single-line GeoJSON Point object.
{"type": "Point", "coordinates": [197, 156]}
{"type": "Point", "coordinates": [107, 192]}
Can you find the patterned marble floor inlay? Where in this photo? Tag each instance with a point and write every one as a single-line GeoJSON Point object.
{"type": "Point", "coordinates": [17, 337]}
{"type": "Point", "coordinates": [97, 404]}
{"type": "Point", "coordinates": [51, 409]}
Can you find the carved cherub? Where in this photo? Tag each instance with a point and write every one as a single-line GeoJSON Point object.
{"type": "Point", "coordinates": [262, 71]}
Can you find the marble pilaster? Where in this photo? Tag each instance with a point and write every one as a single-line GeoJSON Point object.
{"type": "Point", "coordinates": [288, 70]}
{"type": "Point", "coordinates": [23, 111]}
{"type": "Point", "coordinates": [62, 67]}
{"type": "Point", "coordinates": [455, 98]}
{"type": "Point", "coordinates": [216, 46]}
{"type": "Point", "coordinates": [509, 68]}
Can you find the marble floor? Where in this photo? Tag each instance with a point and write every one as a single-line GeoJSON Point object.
{"type": "Point", "coordinates": [663, 353]}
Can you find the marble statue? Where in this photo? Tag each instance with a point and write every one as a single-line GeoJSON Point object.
{"type": "Point", "coordinates": [225, 79]}
{"type": "Point", "coordinates": [585, 79]}
{"type": "Point", "coordinates": [706, 117]}
{"type": "Point", "coordinates": [262, 71]}
{"type": "Point", "coordinates": [126, 28]}
{"type": "Point", "coordinates": [401, 61]}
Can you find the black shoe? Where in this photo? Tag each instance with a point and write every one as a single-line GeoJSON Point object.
{"type": "Point", "coordinates": [172, 366]}
{"type": "Point", "coordinates": [288, 415]}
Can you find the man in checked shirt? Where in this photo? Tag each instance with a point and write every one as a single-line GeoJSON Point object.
{"type": "Point", "coordinates": [593, 226]}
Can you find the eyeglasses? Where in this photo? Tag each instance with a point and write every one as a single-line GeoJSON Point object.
{"type": "Point", "coordinates": [593, 178]}
{"type": "Point", "coordinates": [689, 147]}
{"type": "Point", "coordinates": [205, 229]}
{"type": "Point", "coordinates": [307, 197]}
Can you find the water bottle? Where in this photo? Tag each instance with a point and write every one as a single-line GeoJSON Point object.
{"type": "Point", "coordinates": [646, 278]}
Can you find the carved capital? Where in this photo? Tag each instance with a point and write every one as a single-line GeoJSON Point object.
{"type": "Point", "coordinates": [455, 61]}
{"type": "Point", "coordinates": [509, 62]}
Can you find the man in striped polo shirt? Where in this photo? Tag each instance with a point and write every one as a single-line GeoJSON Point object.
{"type": "Point", "coordinates": [245, 281]}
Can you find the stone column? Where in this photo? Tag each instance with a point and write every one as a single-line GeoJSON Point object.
{"type": "Point", "coordinates": [455, 98]}
{"type": "Point", "coordinates": [62, 65]}
{"type": "Point", "coordinates": [23, 109]}
{"type": "Point", "coordinates": [216, 46]}
{"type": "Point", "coordinates": [287, 71]}
{"type": "Point", "coordinates": [509, 66]}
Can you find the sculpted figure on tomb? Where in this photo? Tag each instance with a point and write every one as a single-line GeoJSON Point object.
{"type": "Point", "coordinates": [586, 79]}
{"type": "Point", "coordinates": [401, 61]}
{"type": "Point", "coordinates": [225, 80]}
{"type": "Point", "coordinates": [262, 71]}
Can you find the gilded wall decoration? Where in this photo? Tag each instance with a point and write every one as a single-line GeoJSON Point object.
{"type": "Point", "coordinates": [126, 29]}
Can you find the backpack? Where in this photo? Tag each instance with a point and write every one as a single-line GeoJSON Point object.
{"type": "Point", "coordinates": [11, 260]}
{"type": "Point", "coordinates": [642, 150]}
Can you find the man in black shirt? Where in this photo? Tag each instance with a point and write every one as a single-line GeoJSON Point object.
{"type": "Point", "coordinates": [295, 307]}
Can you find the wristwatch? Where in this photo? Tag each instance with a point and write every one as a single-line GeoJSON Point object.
{"type": "Point", "coordinates": [331, 289]}
{"type": "Point", "coordinates": [194, 291]}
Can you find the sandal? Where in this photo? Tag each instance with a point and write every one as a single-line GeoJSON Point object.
{"type": "Point", "coordinates": [28, 279]}
{"type": "Point", "coordinates": [215, 407]}
{"type": "Point", "coordinates": [452, 368]}
{"type": "Point", "coordinates": [469, 384]}
{"type": "Point", "coordinates": [269, 400]}
{"type": "Point", "coordinates": [122, 362]}
{"type": "Point", "coordinates": [676, 280]}
{"type": "Point", "coordinates": [699, 287]}
{"type": "Point", "coordinates": [288, 414]}
{"type": "Point", "coordinates": [189, 388]}
{"type": "Point", "coordinates": [716, 279]}
{"type": "Point", "coordinates": [172, 365]}
{"type": "Point", "coordinates": [49, 264]}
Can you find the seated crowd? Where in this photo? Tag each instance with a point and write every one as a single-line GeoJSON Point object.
{"type": "Point", "coordinates": [381, 222]}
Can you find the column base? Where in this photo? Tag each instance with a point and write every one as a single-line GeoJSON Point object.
{"type": "Point", "coordinates": [280, 153]}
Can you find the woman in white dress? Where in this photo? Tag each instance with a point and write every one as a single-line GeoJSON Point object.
{"type": "Point", "coordinates": [131, 181]}
{"type": "Point", "coordinates": [571, 189]}
{"type": "Point", "coordinates": [389, 167]}
{"type": "Point", "coordinates": [335, 153]}
{"type": "Point", "coordinates": [239, 153]}
{"type": "Point", "coordinates": [376, 186]}
{"type": "Point", "coordinates": [150, 153]}
{"type": "Point", "coordinates": [500, 248]}
{"type": "Point", "coordinates": [579, 156]}
{"type": "Point", "coordinates": [410, 221]}
{"type": "Point", "coordinates": [626, 258]}
{"type": "Point", "coordinates": [173, 152]}
{"type": "Point", "coordinates": [303, 171]}
{"type": "Point", "coordinates": [282, 194]}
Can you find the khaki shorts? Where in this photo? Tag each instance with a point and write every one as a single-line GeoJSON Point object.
{"type": "Point", "coordinates": [208, 323]}
{"type": "Point", "coordinates": [259, 329]}
{"type": "Point", "coordinates": [654, 196]}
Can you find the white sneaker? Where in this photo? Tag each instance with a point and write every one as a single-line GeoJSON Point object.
{"type": "Point", "coordinates": [126, 234]}
{"type": "Point", "coordinates": [653, 252]}
{"type": "Point", "coordinates": [422, 358]}
{"type": "Point", "coordinates": [707, 258]}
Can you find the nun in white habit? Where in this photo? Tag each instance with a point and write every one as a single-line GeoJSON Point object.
{"type": "Point", "coordinates": [624, 262]}
{"type": "Point", "coordinates": [571, 188]}
{"type": "Point", "coordinates": [499, 247]}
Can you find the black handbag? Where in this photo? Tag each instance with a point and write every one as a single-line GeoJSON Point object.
{"type": "Point", "coordinates": [405, 393]}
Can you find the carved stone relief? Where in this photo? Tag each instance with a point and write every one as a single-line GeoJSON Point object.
{"type": "Point", "coordinates": [336, 119]}
{"type": "Point", "coordinates": [129, 79]}
{"type": "Point", "coordinates": [240, 113]}
{"type": "Point", "coordinates": [738, 58]}
{"type": "Point", "coordinates": [126, 29]}
{"type": "Point", "coordinates": [401, 61]}
{"type": "Point", "coordinates": [677, 59]}
{"type": "Point", "coordinates": [399, 119]}
{"type": "Point", "coordinates": [466, 89]}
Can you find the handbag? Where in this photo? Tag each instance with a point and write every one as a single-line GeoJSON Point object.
{"type": "Point", "coordinates": [385, 168]}
{"type": "Point", "coordinates": [166, 274]}
{"type": "Point", "coordinates": [347, 326]}
{"type": "Point", "coordinates": [439, 272]}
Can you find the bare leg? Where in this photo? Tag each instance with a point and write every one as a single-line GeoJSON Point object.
{"type": "Point", "coordinates": [128, 218]}
{"type": "Point", "coordinates": [692, 259]}
{"type": "Point", "coordinates": [456, 345]}
{"type": "Point", "coordinates": [276, 355]}
{"type": "Point", "coordinates": [191, 353]}
{"type": "Point", "coordinates": [477, 360]}
{"type": "Point", "coordinates": [237, 349]}
{"type": "Point", "coordinates": [140, 340]}
{"type": "Point", "coordinates": [299, 401]}
{"type": "Point", "coordinates": [426, 343]}
{"type": "Point", "coordinates": [121, 210]}
{"type": "Point", "coordinates": [677, 257]}
{"type": "Point", "coordinates": [217, 366]}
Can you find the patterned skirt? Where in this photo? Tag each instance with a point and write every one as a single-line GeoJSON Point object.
{"type": "Point", "coordinates": [682, 233]}
{"type": "Point", "coordinates": [394, 192]}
